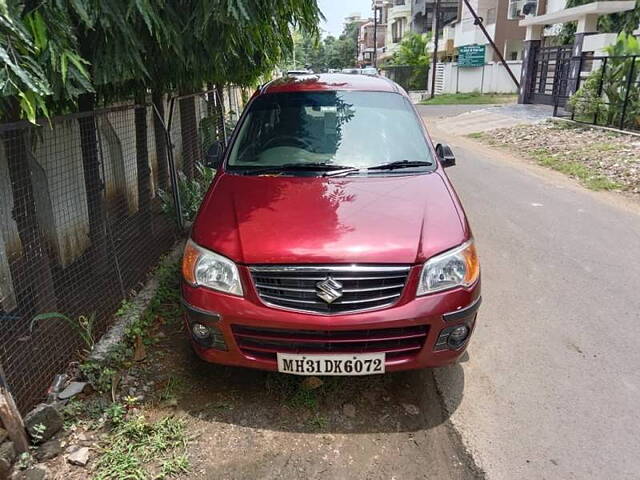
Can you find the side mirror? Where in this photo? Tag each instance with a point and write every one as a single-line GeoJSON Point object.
{"type": "Point", "coordinates": [446, 156]}
{"type": "Point", "coordinates": [213, 158]}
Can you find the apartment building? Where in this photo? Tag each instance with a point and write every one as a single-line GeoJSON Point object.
{"type": "Point", "coordinates": [422, 14]}
{"type": "Point", "coordinates": [366, 39]}
{"type": "Point", "coordinates": [456, 25]}
{"type": "Point", "coordinates": [501, 20]}
{"type": "Point", "coordinates": [366, 34]}
{"type": "Point", "coordinates": [398, 23]}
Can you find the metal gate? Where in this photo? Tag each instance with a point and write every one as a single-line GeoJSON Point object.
{"type": "Point", "coordinates": [550, 75]}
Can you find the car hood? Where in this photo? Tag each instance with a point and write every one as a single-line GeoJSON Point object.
{"type": "Point", "coordinates": [293, 220]}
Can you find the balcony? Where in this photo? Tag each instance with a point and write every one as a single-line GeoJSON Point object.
{"type": "Point", "coordinates": [400, 9]}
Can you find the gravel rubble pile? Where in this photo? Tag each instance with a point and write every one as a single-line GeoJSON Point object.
{"type": "Point", "coordinates": [612, 155]}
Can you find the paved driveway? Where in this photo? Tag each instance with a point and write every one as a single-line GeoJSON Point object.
{"type": "Point", "coordinates": [552, 384]}
{"type": "Point", "coordinates": [464, 119]}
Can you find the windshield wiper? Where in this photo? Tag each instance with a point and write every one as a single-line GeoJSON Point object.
{"type": "Point", "coordinates": [294, 166]}
{"type": "Point", "coordinates": [385, 166]}
{"type": "Point", "coordinates": [401, 164]}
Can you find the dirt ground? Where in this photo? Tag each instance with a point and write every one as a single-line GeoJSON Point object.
{"type": "Point", "coordinates": [246, 424]}
{"type": "Point", "coordinates": [252, 424]}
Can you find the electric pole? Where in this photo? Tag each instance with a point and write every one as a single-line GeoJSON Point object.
{"type": "Point", "coordinates": [436, 28]}
{"type": "Point", "coordinates": [375, 35]}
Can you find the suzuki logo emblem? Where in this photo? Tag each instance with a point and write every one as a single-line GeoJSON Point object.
{"type": "Point", "coordinates": [329, 289]}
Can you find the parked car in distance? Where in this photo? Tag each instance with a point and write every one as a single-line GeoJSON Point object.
{"type": "Point", "coordinates": [331, 241]}
{"type": "Point", "coordinates": [351, 70]}
{"type": "Point", "coordinates": [369, 71]}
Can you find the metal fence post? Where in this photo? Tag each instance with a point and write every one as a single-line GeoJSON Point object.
{"type": "Point", "coordinates": [573, 110]}
{"type": "Point", "coordinates": [626, 96]}
{"type": "Point", "coordinates": [173, 174]}
{"type": "Point", "coordinates": [600, 86]}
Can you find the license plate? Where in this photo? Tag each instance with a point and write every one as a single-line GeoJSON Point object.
{"type": "Point", "coordinates": [344, 364]}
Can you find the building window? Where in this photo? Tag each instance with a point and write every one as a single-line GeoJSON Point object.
{"type": "Point", "coordinates": [520, 8]}
{"type": "Point", "coordinates": [491, 16]}
{"type": "Point", "coordinates": [397, 31]}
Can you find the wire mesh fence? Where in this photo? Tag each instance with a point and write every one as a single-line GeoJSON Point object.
{"type": "Point", "coordinates": [88, 204]}
{"type": "Point", "coordinates": [608, 93]}
{"type": "Point", "coordinates": [408, 77]}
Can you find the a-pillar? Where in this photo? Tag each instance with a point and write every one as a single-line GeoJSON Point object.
{"type": "Point", "coordinates": [587, 25]}
{"type": "Point", "coordinates": [527, 76]}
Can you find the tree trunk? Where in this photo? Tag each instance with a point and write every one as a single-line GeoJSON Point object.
{"type": "Point", "coordinates": [142, 164]}
{"type": "Point", "coordinates": [94, 188]}
{"type": "Point", "coordinates": [161, 139]}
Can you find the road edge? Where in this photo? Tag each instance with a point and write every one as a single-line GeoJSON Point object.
{"type": "Point", "coordinates": [507, 157]}
{"type": "Point", "coordinates": [453, 429]}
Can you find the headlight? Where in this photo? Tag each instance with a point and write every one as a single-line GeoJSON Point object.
{"type": "Point", "coordinates": [201, 267]}
{"type": "Point", "coordinates": [456, 268]}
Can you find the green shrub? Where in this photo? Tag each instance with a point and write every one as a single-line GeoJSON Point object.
{"type": "Point", "coordinates": [601, 98]}
{"type": "Point", "coordinates": [191, 193]}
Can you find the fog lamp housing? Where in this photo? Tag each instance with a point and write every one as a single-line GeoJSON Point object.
{"type": "Point", "coordinates": [200, 332]}
{"type": "Point", "coordinates": [457, 336]}
{"type": "Point", "coordinates": [203, 328]}
{"type": "Point", "coordinates": [453, 338]}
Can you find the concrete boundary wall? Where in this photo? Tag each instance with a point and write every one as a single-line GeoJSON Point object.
{"type": "Point", "coordinates": [492, 78]}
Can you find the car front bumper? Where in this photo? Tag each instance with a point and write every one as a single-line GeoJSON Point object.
{"type": "Point", "coordinates": [229, 316]}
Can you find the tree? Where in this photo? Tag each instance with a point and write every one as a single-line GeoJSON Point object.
{"type": "Point", "coordinates": [319, 56]}
{"type": "Point", "coordinates": [53, 52]}
{"type": "Point", "coordinates": [41, 65]}
{"type": "Point", "coordinates": [413, 60]}
{"type": "Point", "coordinates": [412, 51]}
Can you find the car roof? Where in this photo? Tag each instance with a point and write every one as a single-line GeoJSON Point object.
{"type": "Point", "coordinates": [331, 82]}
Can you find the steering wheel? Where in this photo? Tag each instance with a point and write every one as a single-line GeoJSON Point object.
{"type": "Point", "coordinates": [289, 140]}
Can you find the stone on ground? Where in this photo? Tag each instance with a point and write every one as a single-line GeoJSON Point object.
{"type": "Point", "coordinates": [73, 389]}
{"type": "Point", "coordinates": [49, 450]}
{"type": "Point", "coordinates": [80, 457]}
{"type": "Point", "coordinates": [43, 422]}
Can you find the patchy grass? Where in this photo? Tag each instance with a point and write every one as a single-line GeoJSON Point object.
{"type": "Point", "coordinates": [577, 170]}
{"type": "Point", "coordinates": [476, 135]}
{"type": "Point", "coordinates": [473, 98]}
{"type": "Point", "coordinates": [137, 449]}
{"type": "Point", "coordinates": [173, 389]}
{"type": "Point", "coordinates": [318, 422]}
{"type": "Point", "coordinates": [598, 159]}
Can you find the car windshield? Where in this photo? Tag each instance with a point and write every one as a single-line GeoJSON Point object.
{"type": "Point", "coordinates": [329, 129]}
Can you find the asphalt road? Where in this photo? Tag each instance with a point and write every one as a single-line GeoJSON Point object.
{"type": "Point", "coordinates": [552, 385]}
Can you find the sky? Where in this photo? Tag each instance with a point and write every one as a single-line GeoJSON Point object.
{"type": "Point", "coordinates": [336, 10]}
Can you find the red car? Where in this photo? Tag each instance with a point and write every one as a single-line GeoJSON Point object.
{"type": "Point", "coordinates": [331, 241]}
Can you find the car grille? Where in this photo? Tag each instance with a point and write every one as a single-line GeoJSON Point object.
{"type": "Point", "coordinates": [397, 343]}
{"type": "Point", "coordinates": [362, 287]}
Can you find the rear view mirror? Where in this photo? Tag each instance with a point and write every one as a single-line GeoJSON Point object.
{"type": "Point", "coordinates": [213, 158]}
{"type": "Point", "coordinates": [445, 155]}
